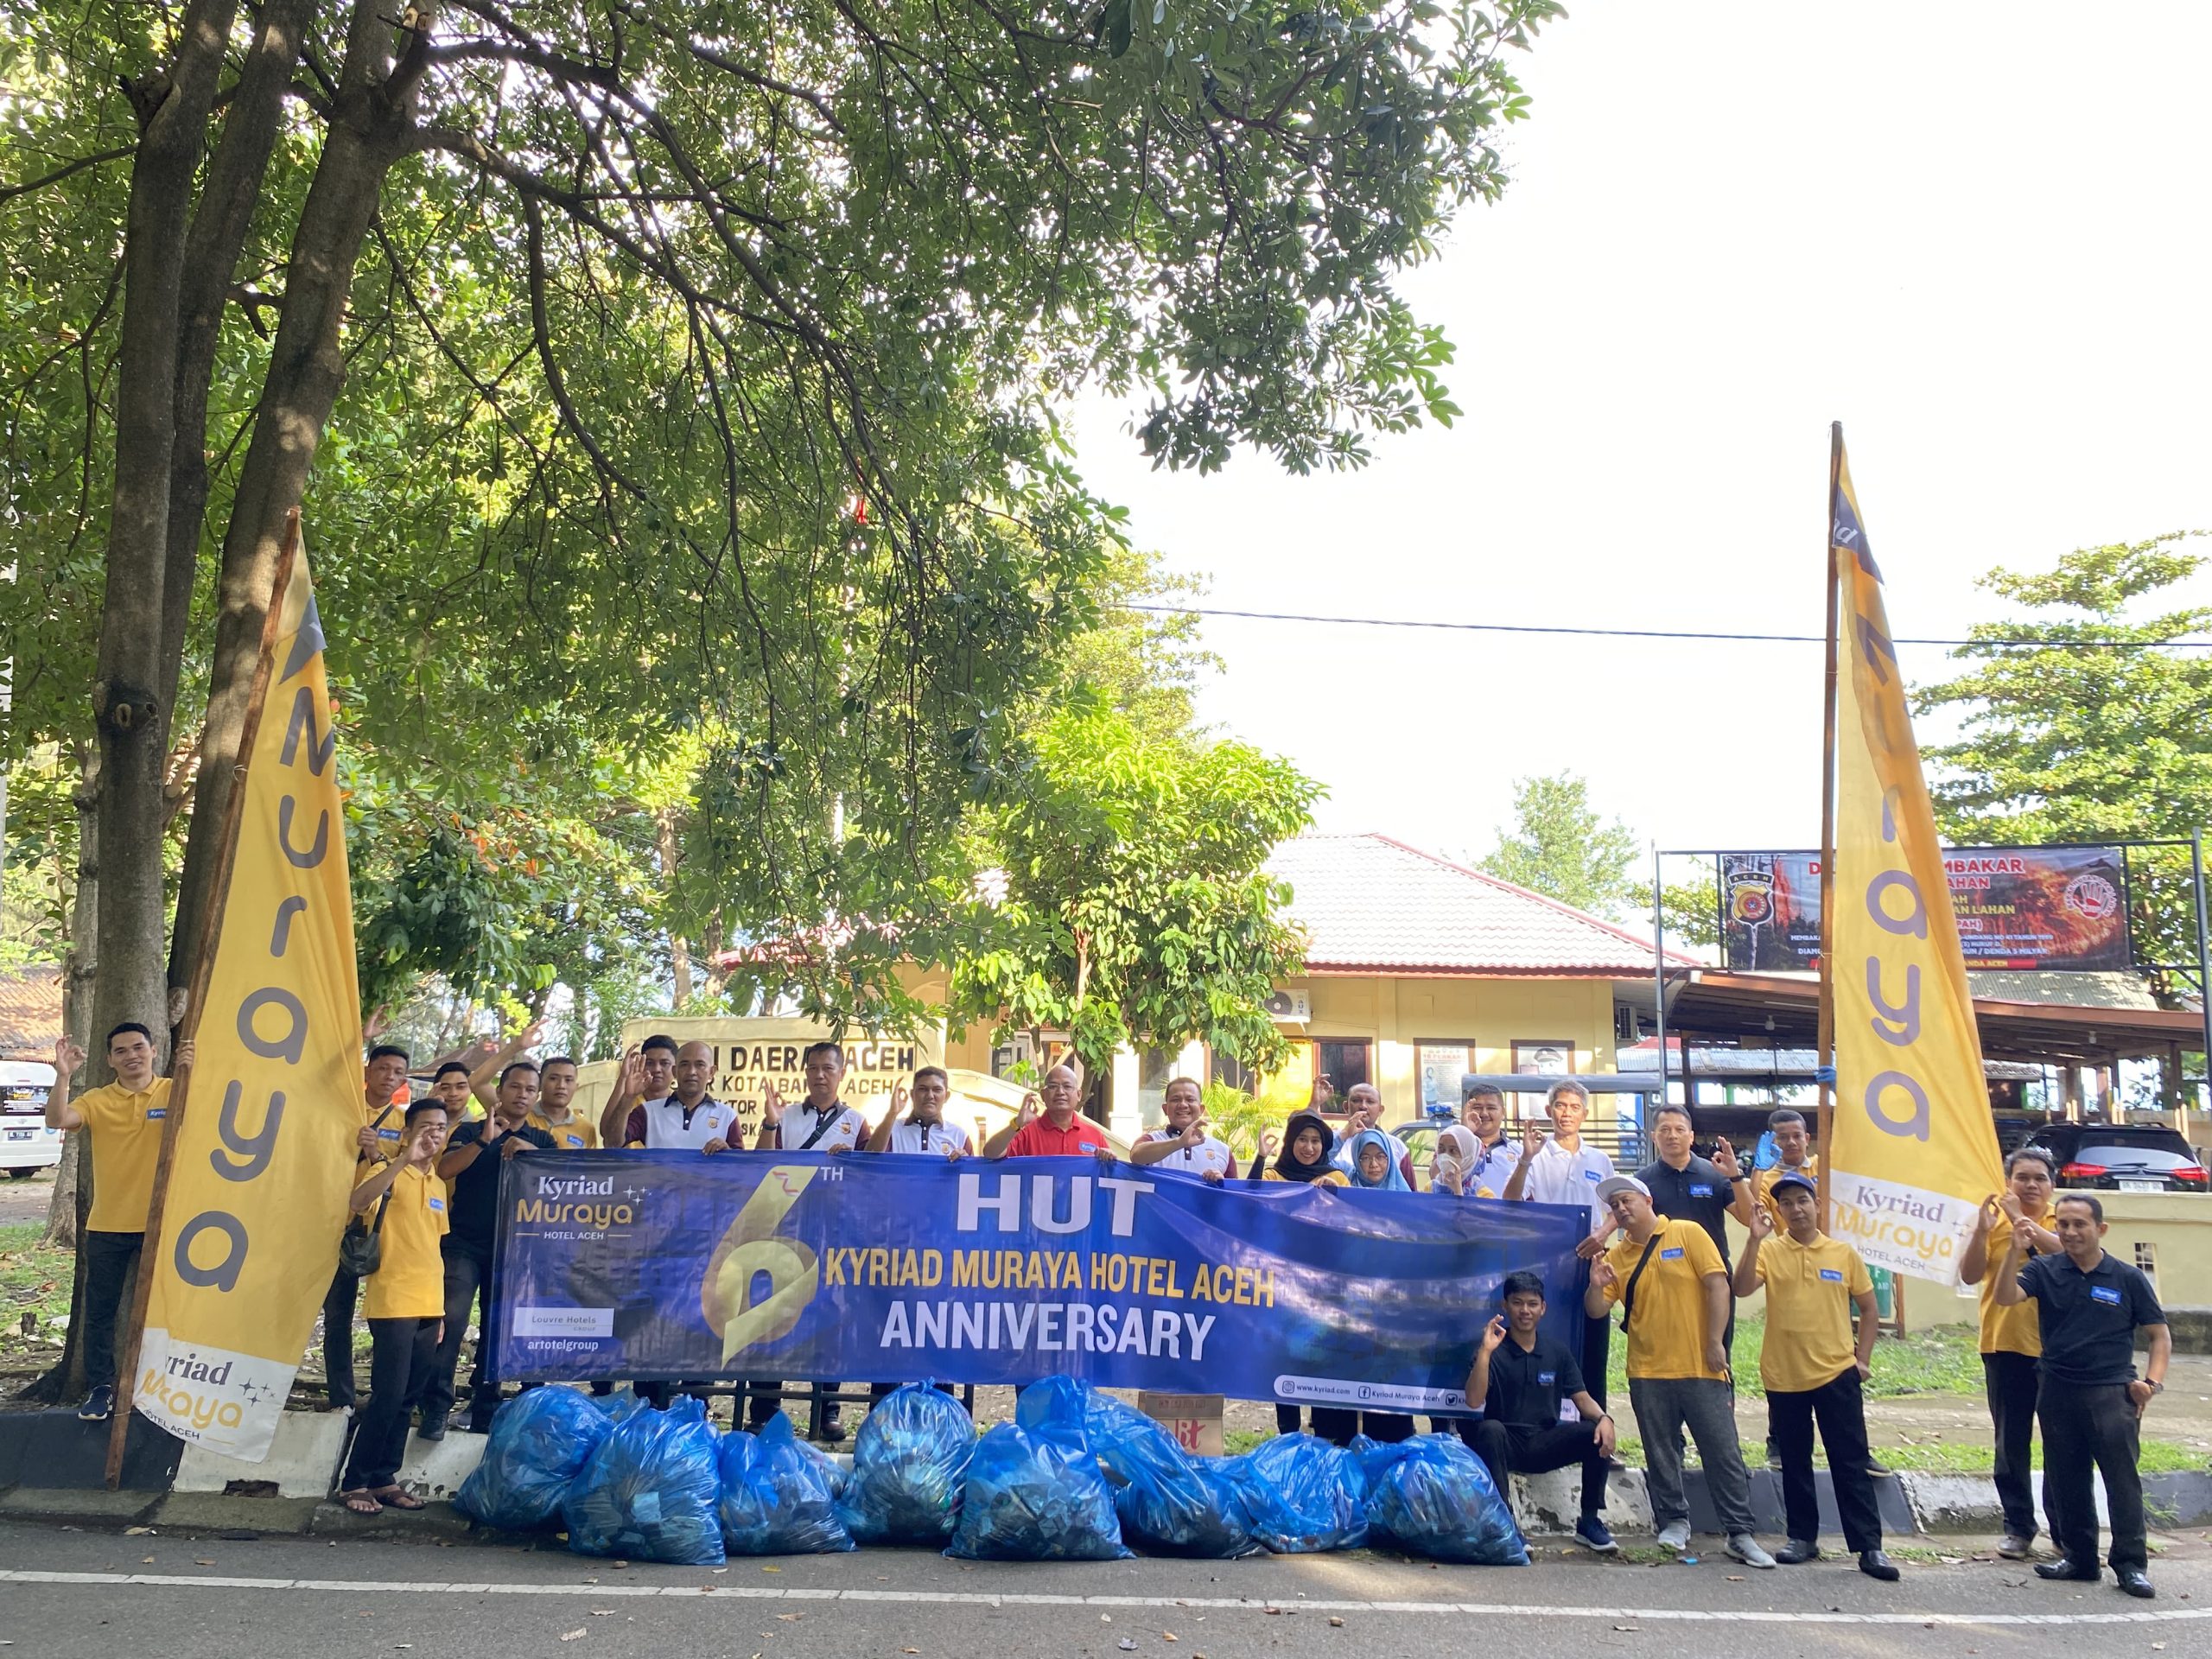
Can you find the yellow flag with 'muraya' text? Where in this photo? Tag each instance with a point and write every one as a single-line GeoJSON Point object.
{"type": "Point", "coordinates": [1915, 1147]}
{"type": "Point", "coordinates": [263, 1165]}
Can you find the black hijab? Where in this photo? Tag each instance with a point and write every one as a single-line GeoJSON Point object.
{"type": "Point", "coordinates": [1287, 1164]}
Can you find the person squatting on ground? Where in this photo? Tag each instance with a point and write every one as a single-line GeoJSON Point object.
{"type": "Point", "coordinates": [2088, 1400]}
{"type": "Point", "coordinates": [406, 1308]}
{"type": "Point", "coordinates": [1812, 1368]}
{"type": "Point", "coordinates": [1673, 1294]}
{"type": "Point", "coordinates": [1525, 1380]}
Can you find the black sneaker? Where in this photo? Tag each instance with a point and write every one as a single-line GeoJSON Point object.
{"type": "Point", "coordinates": [434, 1425]}
{"type": "Point", "coordinates": [99, 1404]}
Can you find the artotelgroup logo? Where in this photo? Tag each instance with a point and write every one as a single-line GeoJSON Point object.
{"type": "Point", "coordinates": [753, 1250]}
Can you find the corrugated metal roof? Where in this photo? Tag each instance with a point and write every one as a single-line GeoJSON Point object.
{"type": "Point", "coordinates": [1368, 903]}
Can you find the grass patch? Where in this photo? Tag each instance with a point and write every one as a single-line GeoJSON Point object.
{"type": "Point", "coordinates": [1236, 1441]}
{"type": "Point", "coordinates": [32, 1281]}
{"type": "Point", "coordinates": [1945, 1360]}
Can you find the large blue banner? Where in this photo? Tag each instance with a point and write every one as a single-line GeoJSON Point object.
{"type": "Point", "coordinates": [669, 1265]}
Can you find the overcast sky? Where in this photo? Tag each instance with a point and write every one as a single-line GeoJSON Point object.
{"type": "Point", "coordinates": [1974, 233]}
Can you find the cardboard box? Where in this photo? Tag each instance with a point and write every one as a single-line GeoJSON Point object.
{"type": "Point", "coordinates": [1193, 1419]}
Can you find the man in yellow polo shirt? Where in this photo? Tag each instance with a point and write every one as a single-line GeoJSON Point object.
{"type": "Point", "coordinates": [1667, 1277]}
{"type": "Point", "coordinates": [405, 1204]}
{"type": "Point", "coordinates": [125, 1120]}
{"type": "Point", "coordinates": [1812, 1369]}
{"type": "Point", "coordinates": [2011, 1342]}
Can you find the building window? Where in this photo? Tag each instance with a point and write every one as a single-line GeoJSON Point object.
{"type": "Point", "coordinates": [2146, 1258]}
{"type": "Point", "coordinates": [1154, 1067]}
{"type": "Point", "coordinates": [1232, 1071]}
{"type": "Point", "coordinates": [1441, 1065]}
{"type": "Point", "coordinates": [1343, 1062]}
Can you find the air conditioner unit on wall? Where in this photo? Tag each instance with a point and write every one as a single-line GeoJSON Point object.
{"type": "Point", "coordinates": [1628, 1023]}
{"type": "Point", "coordinates": [1290, 1007]}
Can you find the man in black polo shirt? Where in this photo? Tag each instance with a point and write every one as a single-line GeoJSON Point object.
{"type": "Point", "coordinates": [1686, 1188]}
{"type": "Point", "coordinates": [470, 1168]}
{"type": "Point", "coordinates": [2088, 1399]}
{"type": "Point", "coordinates": [1522, 1377]}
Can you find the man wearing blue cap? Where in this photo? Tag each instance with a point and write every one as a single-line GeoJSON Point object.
{"type": "Point", "coordinates": [1813, 1368]}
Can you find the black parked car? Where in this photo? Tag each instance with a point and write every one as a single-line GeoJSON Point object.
{"type": "Point", "coordinates": [2121, 1158]}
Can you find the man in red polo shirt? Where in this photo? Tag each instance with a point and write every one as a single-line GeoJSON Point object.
{"type": "Point", "coordinates": [1062, 1130]}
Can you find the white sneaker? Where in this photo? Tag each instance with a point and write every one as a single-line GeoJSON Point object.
{"type": "Point", "coordinates": [1674, 1536]}
{"type": "Point", "coordinates": [1745, 1548]}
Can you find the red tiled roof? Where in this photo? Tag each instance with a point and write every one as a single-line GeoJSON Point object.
{"type": "Point", "coordinates": [30, 1012]}
{"type": "Point", "coordinates": [1370, 904]}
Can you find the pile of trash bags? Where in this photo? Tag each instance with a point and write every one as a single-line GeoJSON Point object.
{"type": "Point", "coordinates": [1078, 1477]}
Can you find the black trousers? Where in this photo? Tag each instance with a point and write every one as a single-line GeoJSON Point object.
{"type": "Point", "coordinates": [108, 1260]}
{"type": "Point", "coordinates": [1511, 1448]}
{"type": "Point", "coordinates": [403, 1358]}
{"type": "Point", "coordinates": [2010, 1382]}
{"type": "Point", "coordinates": [1331, 1423]}
{"type": "Point", "coordinates": [1597, 1348]}
{"type": "Point", "coordinates": [468, 1286]}
{"type": "Point", "coordinates": [2086, 1426]}
{"type": "Point", "coordinates": [1839, 1408]}
{"type": "Point", "coordinates": [337, 1337]}
{"type": "Point", "coordinates": [1388, 1427]}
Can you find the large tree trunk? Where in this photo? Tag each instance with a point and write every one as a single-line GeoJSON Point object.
{"type": "Point", "coordinates": [232, 192]}
{"type": "Point", "coordinates": [368, 127]}
{"type": "Point", "coordinates": [173, 111]}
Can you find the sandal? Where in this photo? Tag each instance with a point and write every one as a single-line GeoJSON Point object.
{"type": "Point", "coordinates": [397, 1498]}
{"type": "Point", "coordinates": [360, 1502]}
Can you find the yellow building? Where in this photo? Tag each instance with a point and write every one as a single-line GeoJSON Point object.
{"type": "Point", "coordinates": [1418, 970]}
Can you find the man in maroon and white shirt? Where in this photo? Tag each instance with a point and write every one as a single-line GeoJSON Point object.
{"type": "Point", "coordinates": [690, 1118]}
{"type": "Point", "coordinates": [821, 1122]}
{"type": "Point", "coordinates": [1062, 1130]}
{"type": "Point", "coordinates": [1182, 1144]}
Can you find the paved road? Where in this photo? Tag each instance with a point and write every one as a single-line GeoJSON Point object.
{"type": "Point", "coordinates": [103, 1594]}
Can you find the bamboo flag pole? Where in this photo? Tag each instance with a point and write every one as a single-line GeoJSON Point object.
{"type": "Point", "coordinates": [1825, 1121]}
{"type": "Point", "coordinates": [134, 1331]}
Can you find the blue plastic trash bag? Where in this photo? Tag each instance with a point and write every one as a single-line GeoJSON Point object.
{"type": "Point", "coordinates": [1435, 1498]}
{"type": "Point", "coordinates": [1169, 1503]}
{"type": "Point", "coordinates": [1037, 1497]}
{"type": "Point", "coordinates": [909, 1460]}
{"type": "Point", "coordinates": [540, 1442]}
{"type": "Point", "coordinates": [649, 1493]}
{"type": "Point", "coordinates": [777, 1494]}
{"type": "Point", "coordinates": [625, 1402]}
{"type": "Point", "coordinates": [1304, 1495]}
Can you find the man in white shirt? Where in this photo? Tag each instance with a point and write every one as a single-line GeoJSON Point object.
{"type": "Point", "coordinates": [924, 1130]}
{"type": "Point", "coordinates": [689, 1119]}
{"type": "Point", "coordinates": [1182, 1144]}
{"type": "Point", "coordinates": [1483, 1114]}
{"type": "Point", "coordinates": [1560, 1168]}
{"type": "Point", "coordinates": [821, 1122]}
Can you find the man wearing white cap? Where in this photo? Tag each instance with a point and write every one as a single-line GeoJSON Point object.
{"type": "Point", "coordinates": [1673, 1292]}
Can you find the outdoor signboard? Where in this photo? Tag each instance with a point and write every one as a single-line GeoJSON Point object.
{"type": "Point", "coordinates": [2037, 908]}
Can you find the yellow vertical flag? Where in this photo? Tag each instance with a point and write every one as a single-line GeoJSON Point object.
{"type": "Point", "coordinates": [262, 1165]}
{"type": "Point", "coordinates": [1915, 1147]}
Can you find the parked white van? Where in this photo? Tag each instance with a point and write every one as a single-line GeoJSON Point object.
{"type": "Point", "coordinates": [26, 1144]}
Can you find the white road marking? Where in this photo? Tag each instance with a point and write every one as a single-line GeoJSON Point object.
{"type": "Point", "coordinates": [973, 1598]}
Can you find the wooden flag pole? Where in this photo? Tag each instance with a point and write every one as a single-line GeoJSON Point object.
{"type": "Point", "coordinates": [1825, 1121]}
{"type": "Point", "coordinates": [134, 1330]}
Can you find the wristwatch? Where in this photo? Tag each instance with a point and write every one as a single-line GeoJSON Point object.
{"type": "Point", "coordinates": [1732, 1179]}
{"type": "Point", "coordinates": [2157, 1386]}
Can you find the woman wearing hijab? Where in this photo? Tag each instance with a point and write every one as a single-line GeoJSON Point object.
{"type": "Point", "coordinates": [1308, 1148]}
{"type": "Point", "coordinates": [1456, 1152]}
{"type": "Point", "coordinates": [1373, 1164]}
